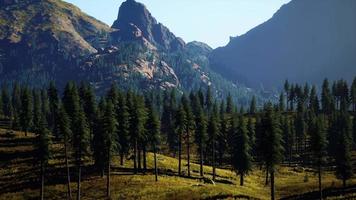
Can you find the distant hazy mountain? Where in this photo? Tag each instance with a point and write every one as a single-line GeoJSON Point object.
{"type": "Point", "coordinates": [43, 40]}
{"type": "Point", "coordinates": [306, 40]}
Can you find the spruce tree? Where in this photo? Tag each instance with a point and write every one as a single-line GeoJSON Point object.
{"type": "Point", "coordinates": [98, 138]}
{"type": "Point", "coordinates": [53, 106]}
{"type": "Point", "coordinates": [190, 126]}
{"type": "Point", "coordinates": [242, 160]}
{"type": "Point", "coordinates": [26, 110]}
{"type": "Point", "coordinates": [213, 132]}
{"type": "Point", "coordinates": [342, 157]}
{"type": "Point", "coordinates": [200, 136]}
{"type": "Point", "coordinates": [272, 145]}
{"type": "Point", "coordinates": [326, 99]}
{"type": "Point", "coordinates": [318, 146]}
{"type": "Point", "coordinates": [42, 149]}
{"type": "Point", "coordinates": [80, 143]}
{"type": "Point", "coordinates": [181, 121]}
{"type": "Point", "coordinates": [281, 105]}
{"type": "Point", "coordinates": [110, 139]}
{"type": "Point", "coordinates": [153, 129]}
{"type": "Point", "coordinates": [288, 137]}
{"type": "Point", "coordinates": [251, 130]}
{"type": "Point", "coordinates": [64, 130]}
{"type": "Point", "coordinates": [123, 115]}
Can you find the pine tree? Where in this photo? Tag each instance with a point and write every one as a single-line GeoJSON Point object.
{"type": "Point", "coordinates": [213, 132]}
{"type": "Point", "coordinates": [251, 130]}
{"type": "Point", "coordinates": [253, 105]}
{"type": "Point", "coordinates": [98, 138]}
{"type": "Point", "coordinates": [153, 129]}
{"type": "Point", "coordinates": [229, 104]}
{"type": "Point", "coordinates": [353, 95]}
{"type": "Point", "coordinates": [318, 145]}
{"type": "Point", "coordinates": [6, 102]}
{"type": "Point", "coordinates": [281, 105]}
{"type": "Point", "coordinates": [37, 112]}
{"type": "Point", "coordinates": [288, 137]}
{"type": "Point", "coordinates": [42, 149]}
{"type": "Point", "coordinates": [110, 139]}
{"type": "Point", "coordinates": [53, 106]}
{"type": "Point", "coordinates": [181, 121]}
{"type": "Point", "coordinates": [16, 106]}
{"type": "Point", "coordinates": [66, 133]}
{"type": "Point", "coordinates": [209, 100]}
{"type": "Point", "coordinates": [272, 145]}
{"type": "Point", "coordinates": [26, 110]}
{"type": "Point", "coordinates": [314, 101]}
{"type": "Point", "coordinates": [343, 148]}
{"type": "Point", "coordinates": [190, 126]}
{"type": "Point", "coordinates": [123, 127]}
{"type": "Point", "coordinates": [80, 143]}
{"type": "Point", "coordinates": [242, 161]}
{"type": "Point", "coordinates": [88, 102]}
{"type": "Point", "coordinates": [200, 135]}
{"type": "Point", "coordinates": [326, 99]}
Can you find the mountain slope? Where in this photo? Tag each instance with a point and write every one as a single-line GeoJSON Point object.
{"type": "Point", "coordinates": [43, 40]}
{"type": "Point", "coordinates": [304, 41]}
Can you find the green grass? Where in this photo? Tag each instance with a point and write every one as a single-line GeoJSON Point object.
{"type": "Point", "coordinates": [18, 171]}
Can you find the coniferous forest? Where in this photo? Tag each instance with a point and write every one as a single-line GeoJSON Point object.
{"type": "Point", "coordinates": [307, 128]}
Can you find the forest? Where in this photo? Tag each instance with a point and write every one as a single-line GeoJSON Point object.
{"type": "Point", "coordinates": [306, 127]}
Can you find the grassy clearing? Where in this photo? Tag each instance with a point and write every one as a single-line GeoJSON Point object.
{"type": "Point", "coordinates": [18, 178]}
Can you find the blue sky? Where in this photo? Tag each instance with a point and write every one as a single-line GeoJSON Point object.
{"type": "Point", "coordinates": [209, 21]}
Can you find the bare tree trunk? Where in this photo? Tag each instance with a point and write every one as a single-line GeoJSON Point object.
{"type": "Point", "coordinates": [79, 180]}
{"type": "Point", "coordinates": [134, 157]}
{"type": "Point", "coordinates": [201, 162]}
{"type": "Point", "coordinates": [214, 169]}
{"type": "Point", "coordinates": [121, 158]}
{"type": "Point", "coordinates": [272, 185]}
{"type": "Point", "coordinates": [144, 160]}
{"type": "Point", "coordinates": [69, 192]}
{"type": "Point", "coordinates": [241, 179]}
{"type": "Point", "coordinates": [320, 189]}
{"type": "Point", "coordinates": [155, 160]}
{"type": "Point", "coordinates": [108, 177]}
{"type": "Point", "coordinates": [139, 160]}
{"type": "Point", "coordinates": [267, 182]}
{"type": "Point", "coordinates": [180, 154]}
{"type": "Point", "coordinates": [188, 153]}
{"type": "Point", "coordinates": [42, 181]}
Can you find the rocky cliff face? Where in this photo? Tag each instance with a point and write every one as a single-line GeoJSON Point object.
{"type": "Point", "coordinates": [134, 17]}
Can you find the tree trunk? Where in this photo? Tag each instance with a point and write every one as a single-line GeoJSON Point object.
{"type": "Point", "coordinates": [134, 157]}
{"type": "Point", "coordinates": [121, 158]}
{"type": "Point", "coordinates": [108, 177]}
{"type": "Point", "coordinates": [272, 185]}
{"type": "Point", "coordinates": [214, 169]}
{"type": "Point", "coordinates": [320, 189]}
{"type": "Point", "coordinates": [79, 180]}
{"type": "Point", "coordinates": [139, 160]}
{"type": "Point", "coordinates": [26, 133]}
{"type": "Point", "coordinates": [267, 182]}
{"type": "Point", "coordinates": [188, 154]}
{"type": "Point", "coordinates": [69, 192]}
{"type": "Point", "coordinates": [144, 160]}
{"type": "Point", "coordinates": [42, 181]}
{"type": "Point", "coordinates": [201, 162]}
{"type": "Point", "coordinates": [155, 160]}
{"type": "Point", "coordinates": [180, 154]}
{"type": "Point", "coordinates": [241, 179]}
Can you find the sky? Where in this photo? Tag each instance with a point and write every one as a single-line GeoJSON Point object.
{"type": "Point", "coordinates": [209, 21]}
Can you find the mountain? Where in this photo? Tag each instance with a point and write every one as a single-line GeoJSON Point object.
{"type": "Point", "coordinates": [43, 40]}
{"type": "Point", "coordinates": [304, 41]}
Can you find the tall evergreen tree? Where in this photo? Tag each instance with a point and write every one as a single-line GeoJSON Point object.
{"type": "Point", "coordinates": [253, 105]}
{"type": "Point", "coordinates": [326, 99]}
{"type": "Point", "coordinates": [318, 145]}
{"type": "Point", "coordinates": [353, 95]}
{"type": "Point", "coordinates": [251, 130]}
{"type": "Point", "coordinates": [153, 129]}
{"type": "Point", "coordinates": [123, 115]}
{"type": "Point", "coordinates": [26, 110]}
{"type": "Point", "coordinates": [80, 143]}
{"type": "Point", "coordinates": [6, 102]}
{"type": "Point", "coordinates": [181, 122]}
{"type": "Point", "coordinates": [242, 161]}
{"type": "Point", "coordinates": [66, 134]}
{"type": "Point", "coordinates": [200, 136]}
{"type": "Point", "coordinates": [272, 145]}
{"type": "Point", "coordinates": [110, 139]}
{"type": "Point", "coordinates": [53, 106]}
{"type": "Point", "coordinates": [42, 149]}
{"type": "Point", "coordinates": [213, 132]}
{"type": "Point", "coordinates": [342, 157]}
{"type": "Point", "coordinates": [16, 106]}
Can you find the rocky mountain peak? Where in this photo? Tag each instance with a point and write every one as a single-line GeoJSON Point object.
{"type": "Point", "coordinates": [135, 13]}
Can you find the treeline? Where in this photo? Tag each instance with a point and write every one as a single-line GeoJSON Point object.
{"type": "Point", "coordinates": [304, 128]}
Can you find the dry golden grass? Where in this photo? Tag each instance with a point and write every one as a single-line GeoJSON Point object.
{"type": "Point", "coordinates": [125, 185]}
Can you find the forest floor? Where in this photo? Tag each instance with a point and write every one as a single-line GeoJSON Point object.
{"type": "Point", "coordinates": [19, 178]}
